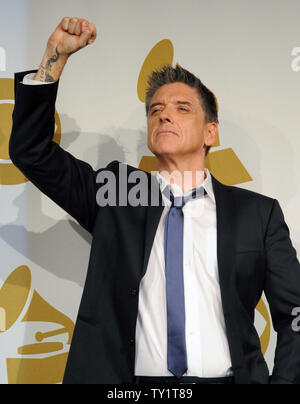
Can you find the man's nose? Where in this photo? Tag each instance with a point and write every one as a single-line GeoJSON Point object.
{"type": "Point", "coordinates": [165, 116]}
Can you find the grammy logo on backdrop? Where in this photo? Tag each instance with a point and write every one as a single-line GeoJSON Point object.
{"type": "Point", "coordinates": [43, 360]}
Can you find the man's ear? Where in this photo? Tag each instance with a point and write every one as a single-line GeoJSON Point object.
{"type": "Point", "coordinates": [211, 133]}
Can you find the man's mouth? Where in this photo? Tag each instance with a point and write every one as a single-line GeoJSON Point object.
{"type": "Point", "coordinates": [166, 132]}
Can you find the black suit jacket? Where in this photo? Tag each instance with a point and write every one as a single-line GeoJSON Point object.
{"type": "Point", "coordinates": [255, 254]}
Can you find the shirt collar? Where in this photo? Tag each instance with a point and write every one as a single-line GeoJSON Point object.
{"type": "Point", "coordinates": [176, 190]}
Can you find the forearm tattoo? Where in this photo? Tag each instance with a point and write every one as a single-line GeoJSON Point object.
{"type": "Point", "coordinates": [45, 70]}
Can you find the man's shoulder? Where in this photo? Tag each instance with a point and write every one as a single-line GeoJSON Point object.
{"type": "Point", "coordinates": [243, 194]}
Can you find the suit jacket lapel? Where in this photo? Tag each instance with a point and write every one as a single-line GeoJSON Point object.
{"type": "Point", "coordinates": [153, 216]}
{"type": "Point", "coordinates": [226, 207]}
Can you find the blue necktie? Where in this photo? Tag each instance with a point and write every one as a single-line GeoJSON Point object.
{"type": "Point", "coordinates": [177, 357]}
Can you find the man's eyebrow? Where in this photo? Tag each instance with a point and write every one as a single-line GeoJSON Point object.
{"type": "Point", "coordinates": [177, 102]}
{"type": "Point", "coordinates": [156, 104]}
{"type": "Point", "coordinates": [184, 103]}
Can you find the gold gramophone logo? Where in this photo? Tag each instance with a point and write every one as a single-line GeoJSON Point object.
{"type": "Point", "coordinates": [223, 164]}
{"type": "Point", "coordinates": [43, 360]}
{"type": "Point", "coordinates": [9, 174]}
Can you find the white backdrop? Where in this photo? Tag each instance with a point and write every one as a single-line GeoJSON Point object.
{"type": "Point", "coordinates": [243, 51]}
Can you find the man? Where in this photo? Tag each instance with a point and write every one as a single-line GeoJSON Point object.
{"type": "Point", "coordinates": [172, 287]}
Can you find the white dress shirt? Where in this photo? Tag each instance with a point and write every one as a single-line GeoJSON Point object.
{"type": "Point", "coordinates": [206, 342]}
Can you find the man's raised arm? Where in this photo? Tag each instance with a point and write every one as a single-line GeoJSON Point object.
{"type": "Point", "coordinates": [68, 181]}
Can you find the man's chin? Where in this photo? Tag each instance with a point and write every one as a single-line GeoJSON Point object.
{"type": "Point", "coordinates": [167, 150]}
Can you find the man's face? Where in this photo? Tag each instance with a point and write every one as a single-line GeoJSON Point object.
{"type": "Point", "coordinates": [176, 124]}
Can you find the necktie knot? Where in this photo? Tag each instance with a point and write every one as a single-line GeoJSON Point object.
{"type": "Point", "coordinates": [177, 202]}
{"type": "Point", "coordinates": [180, 201]}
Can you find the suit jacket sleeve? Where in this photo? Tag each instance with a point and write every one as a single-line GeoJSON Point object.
{"type": "Point", "coordinates": [282, 289]}
{"type": "Point", "coordinates": [69, 182]}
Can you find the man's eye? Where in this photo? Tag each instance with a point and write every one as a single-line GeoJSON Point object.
{"type": "Point", "coordinates": [154, 111]}
{"type": "Point", "coordinates": [183, 109]}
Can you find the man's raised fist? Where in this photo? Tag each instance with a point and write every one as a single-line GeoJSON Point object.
{"type": "Point", "coordinates": [71, 35]}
